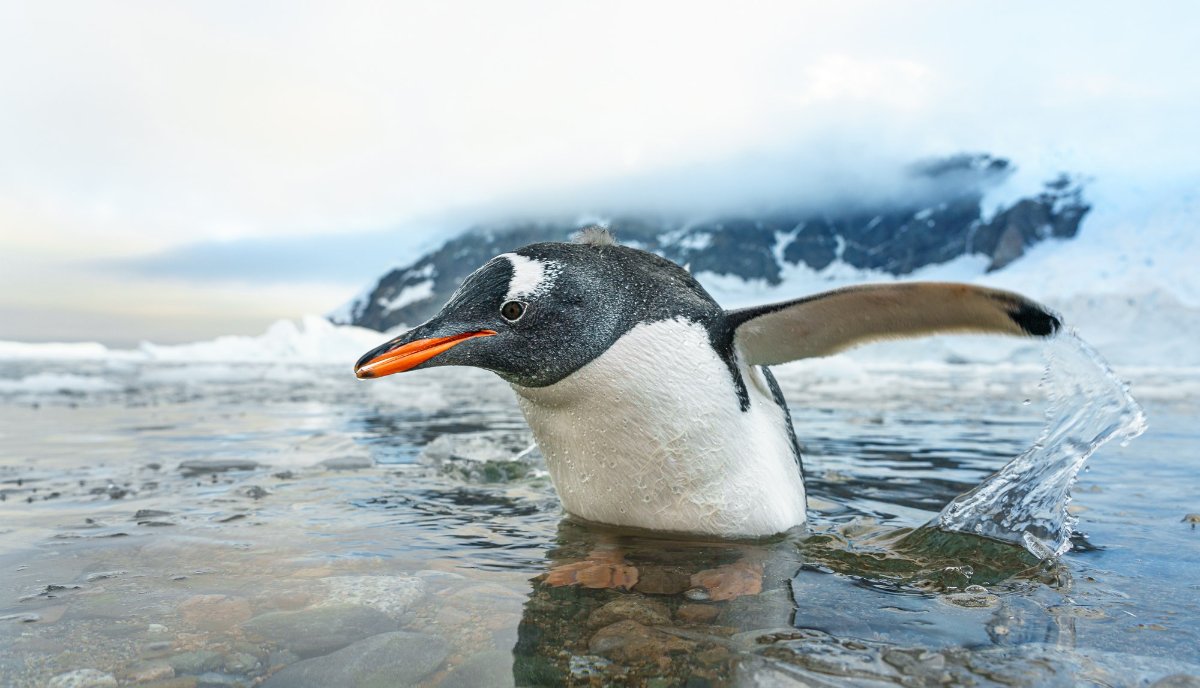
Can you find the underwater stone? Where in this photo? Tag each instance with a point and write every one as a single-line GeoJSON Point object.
{"type": "Point", "coordinates": [391, 595]}
{"type": "Point", "coordinates": [313, 632]}
{"type": "Point", "coordinates": [693, 613]}
{"type": "Point", "coordinates": [630, 641]}
{"type": "Point", "coordinates": [196, 662]}
{"type": "Point", "coordinates": [644, 611]}
{"type": "Point", "coordinates": [398, 658]}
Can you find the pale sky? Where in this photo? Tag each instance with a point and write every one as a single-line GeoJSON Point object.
{"type": "Point", "coordinates": [174, 171]}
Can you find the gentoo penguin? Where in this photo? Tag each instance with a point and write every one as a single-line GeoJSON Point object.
{"type": "Point", "coordinates": [652, 405]}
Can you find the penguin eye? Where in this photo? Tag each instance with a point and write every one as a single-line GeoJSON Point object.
{"type": "Point", "coordinates": [512, 310]}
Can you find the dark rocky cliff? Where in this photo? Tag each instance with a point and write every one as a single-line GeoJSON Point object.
{"type": "Point", "coordinates": [898, 239]}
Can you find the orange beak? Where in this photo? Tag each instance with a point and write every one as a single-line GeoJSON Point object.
{"type": "Point", "coordinates": [411, 355]}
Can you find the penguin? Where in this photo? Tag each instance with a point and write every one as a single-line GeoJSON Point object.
{"type": "Point", "coordinates": [654, 407]}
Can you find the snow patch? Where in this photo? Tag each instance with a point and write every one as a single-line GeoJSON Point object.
{"type": "Point", "coordinates": [410, 294]}
{"type": "Point", "coordinates": [696, 242]}
{"type": "Point", "coordinates": [57, 383]}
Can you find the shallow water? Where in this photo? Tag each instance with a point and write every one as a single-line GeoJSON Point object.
{"type": "Point", "coordinates": [173, 522]}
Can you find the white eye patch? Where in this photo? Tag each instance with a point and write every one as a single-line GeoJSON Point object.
{"type": "Point", "coordinates": [530, 277]}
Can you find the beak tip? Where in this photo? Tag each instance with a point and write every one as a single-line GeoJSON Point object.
{"type": "Point", "coordinates": [363, 374]}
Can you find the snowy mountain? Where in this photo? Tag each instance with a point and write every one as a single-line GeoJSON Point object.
{"type": "Point", "coordinates": [948, 221]}
{"type": "Point", "coordinates": [1122, 273]}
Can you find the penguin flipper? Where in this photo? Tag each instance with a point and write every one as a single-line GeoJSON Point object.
{"type": "Point", "coordinates": [829, 322]}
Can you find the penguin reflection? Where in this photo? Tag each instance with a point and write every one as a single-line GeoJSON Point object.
{"type": "Point", "coordinates": [616, 606]}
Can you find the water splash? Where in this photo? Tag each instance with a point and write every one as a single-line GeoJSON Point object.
{"type": "Point", "coordinates": [1025, 502]}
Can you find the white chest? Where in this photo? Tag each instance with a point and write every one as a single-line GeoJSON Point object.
{"type": "Point", "coordinates": [651, 435]}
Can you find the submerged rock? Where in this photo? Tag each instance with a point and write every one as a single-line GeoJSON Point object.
{"type": "Point", "coordinates": [696, 613]}
{"type": "Point", "coordinates": [634, 608]}
{"type": "Point", "coordinates": [398, 658]}
{"type": "Point", "coordinates": [391, 595]}
{"type": "Point", "coordinates": [630, 641]}
{"type": "Point", "coordinates": [313, 632]}
{"type": "Point", "coordinates": [196, 662]}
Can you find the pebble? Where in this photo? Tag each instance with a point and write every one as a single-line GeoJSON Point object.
{"type": "Point", "coordinates": [321, 630]}
{"type": "Point", "coordinates": [630, 641]}
{"type": "Point", "coordinates": [253, 492]}
{"type": "Point", "coordinates": [83, 678]}
{"type": "Point", "coordinates": [195, 662]}
{"type": "Point", "coordinates": [156, 648]}
{"type": "Point", "coordinates": [693, 613]}
{"type": "Point", "coordinates": [398, 658]}
{"type": "Point", "coordinates": [642, 610]}
{"type": "Point", "coordinates": [141, 514]}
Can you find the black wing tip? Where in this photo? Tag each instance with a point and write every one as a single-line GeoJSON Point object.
{"type": "Point", "coordinates": [1034, 320]}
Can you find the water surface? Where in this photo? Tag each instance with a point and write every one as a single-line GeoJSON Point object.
{"type": "Point", "coordinates": [218, 524]}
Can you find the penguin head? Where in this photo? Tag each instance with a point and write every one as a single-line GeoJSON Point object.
{"type": "Point", "coordinates": [535, 315]}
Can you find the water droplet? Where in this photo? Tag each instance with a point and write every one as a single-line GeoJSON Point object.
{"type": "Point", "coordinates": [1088, 406]}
